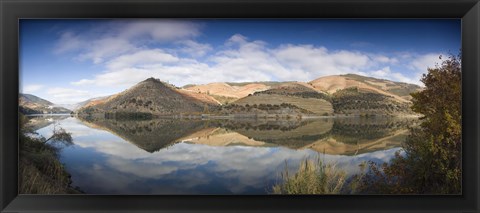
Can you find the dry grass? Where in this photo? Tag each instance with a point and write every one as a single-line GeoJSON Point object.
{"type": "Point", "coordinates": [40, 171]}
{"type": "Point", "coordinates": [313, 177]}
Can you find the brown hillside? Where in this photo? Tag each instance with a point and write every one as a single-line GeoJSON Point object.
{"type": "Point", "coordinates": [334, 83]}
{"type": "Point", "coordinates": [224, 89]}
{"type": "Point", "coordinates": [152, 96]}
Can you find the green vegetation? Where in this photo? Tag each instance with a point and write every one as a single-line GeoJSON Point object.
{"type": "Point", "coordinates": [432, 160]}
{"type": "Point", "coordinates": [396, 88]}
{"type": "Point", "coordinates": [40, 171]}
{"type": "Point", "coordinates": [128, 115]}
{"type": "Point", "coordinates": [284, 108]}
{"type": "Point", "coordinates": [312, 105]}
{"type": "Point", "coordinates": [313, 177]}
{"type": "Point", "coordinates": [353, 101]}
{"type": "Point", "coordinates": [224, 99]}
{"type": "Point", "coordinates": [304, 94]}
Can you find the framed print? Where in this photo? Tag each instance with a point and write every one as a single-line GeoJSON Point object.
{"type": "Point", "coordinates": [240, 106]}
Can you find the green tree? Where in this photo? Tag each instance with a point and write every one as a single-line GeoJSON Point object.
{"type": "Point", "coordinates": [432, 160]}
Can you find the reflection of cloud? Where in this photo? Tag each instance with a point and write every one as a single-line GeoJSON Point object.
{"type": "Point", "coordinates": [72, 126]}
{"type": "Point", "coordinates": [106, 164]}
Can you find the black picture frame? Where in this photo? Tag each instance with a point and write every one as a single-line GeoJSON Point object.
{"type": "Point", "coordinates": [12, 10]}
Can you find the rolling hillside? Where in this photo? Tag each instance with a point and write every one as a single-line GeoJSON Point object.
{"type": "Point", "coordinates": [224, 92]}
{"type": "Point", "coordinates": [296, 94]}
{"type": "Point", "coordinates": [339, 94]}
{"type": "Point", "coordinates": [150, 96]}
{"type": "Point", "coordinates": [331, 84]}
{"type": "Point", "coordinates": [30, 104]}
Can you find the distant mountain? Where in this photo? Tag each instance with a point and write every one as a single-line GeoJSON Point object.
{"type": "Point", "coordinates": [90, 102]}
{"type": "Point", "coordinates": [30, 104]}
{"type": "Point", "coordinates": [150, 96]}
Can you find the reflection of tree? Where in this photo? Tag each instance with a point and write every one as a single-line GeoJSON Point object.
{"type": "Point", "coordinates": [60, 137]}
{"type": "Point", "coordinates": [359, 130]}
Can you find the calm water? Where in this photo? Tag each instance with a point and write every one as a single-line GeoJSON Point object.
{"type": "Point", "coordinates": [213, 157]}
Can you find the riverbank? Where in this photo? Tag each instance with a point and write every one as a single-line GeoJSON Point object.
{"type": "Point", "coordinates": [40, 171]}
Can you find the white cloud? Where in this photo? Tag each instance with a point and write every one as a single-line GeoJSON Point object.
{"type": "Point", "coordinates": [32, 88]}
{"type": "Point", "coordinates": [385, 59]}
{"type": "Point", "coordinates": [312, 62]}
{"type": "Point", "coordinates": [119, 37]}
{"type": "Point", "coordinates": [67, 95]}
{"type": "Point", "coordinates": [101, 49]}
{"type": "Point", "coordinates": [194, 48]}
{"type": "Point", "coordinates": [140, 58]}
{"type": "Point", "coordinates": [422, 62]}
{"type": "Point", "coordinates": [83, 82]}
{"type": "Point", "coordinates": [160, 30]}
{"type": "Point", "coordinates": [386, 73]}
{"type": "Point", "coordinates": [236, 39]}
{"type": "Point", "coordinates": [68, 42]}
{"type": "Point", "coordinates": [244, 60]}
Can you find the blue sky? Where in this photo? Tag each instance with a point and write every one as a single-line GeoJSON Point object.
{"type": "Point", "coordinates": [68, 61]}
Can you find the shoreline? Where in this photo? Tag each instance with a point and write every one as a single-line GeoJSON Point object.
{"type": "Point", "coordinates": [245, 116]}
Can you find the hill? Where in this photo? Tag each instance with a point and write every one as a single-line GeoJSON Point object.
{"type": "Point", "coordinates": [90, 102]}
{"type": "Point", "coordinates": [354, 101]}
{"type": "Point", "coordinates": [227, 92]}
{"type": "Point", "coordinates": [338, 94]}
{"type": "Point", "coordinates": [149, 97]}
{"type": "Point", "coordinates": [31, 104]}
{"type": "Point", "coordinates": [298, 95]}
{"type": "Point", "coordinates": [398, 90]}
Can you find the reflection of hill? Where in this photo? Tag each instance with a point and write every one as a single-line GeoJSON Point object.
{"type": "Point", "coordinates": [353, 136]}
{"type": "Point", "coordinates": [292, 134]}
{"type": "Point", "coordinates": [37, 122]}
{"type": "Point", "coordinates": [221, 137]}
{"type": "Point", "coordinates": [333, 147]}
{"type": "Point", "coordinates": [333, 136]}
{"type": "Point", "coordinates": [360, 130]}
{"type": "Point", "coordinates": [149, 135]}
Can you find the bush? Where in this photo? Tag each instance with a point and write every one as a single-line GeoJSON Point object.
{"type": "Point", "coordinates": [313, 177]}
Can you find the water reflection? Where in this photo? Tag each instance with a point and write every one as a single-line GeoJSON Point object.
{"type": "Point", "coordinates": [215, 157]}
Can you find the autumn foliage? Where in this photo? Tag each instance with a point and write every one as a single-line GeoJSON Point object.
{"type": "Point", "coordinates": [431, 162]}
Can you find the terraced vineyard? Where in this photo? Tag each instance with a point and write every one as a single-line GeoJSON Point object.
{"type": "Point", "coordinates": [314, 105]}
